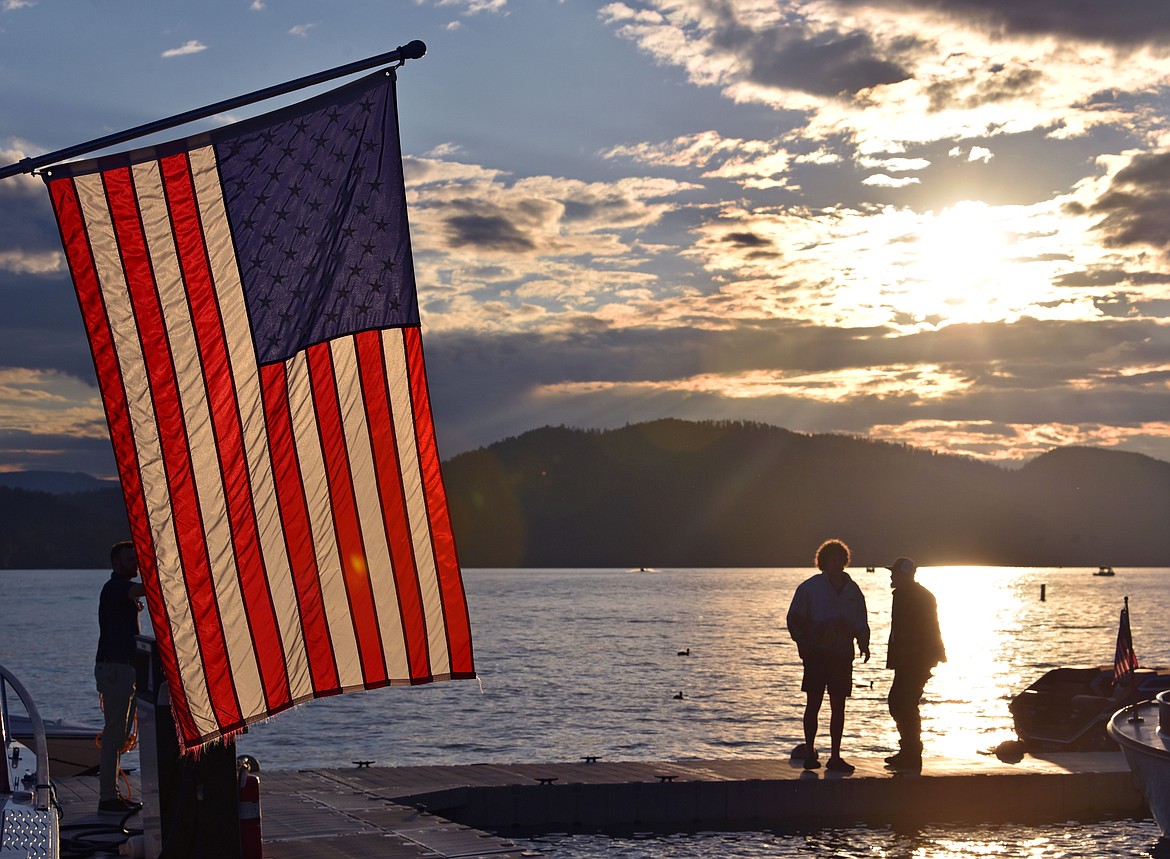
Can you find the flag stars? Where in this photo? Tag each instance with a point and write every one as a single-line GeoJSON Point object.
{"type": "Point", "coordinates": [322, 239]}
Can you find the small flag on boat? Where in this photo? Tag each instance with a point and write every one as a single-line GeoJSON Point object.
{"type": "Point", "coordinates": [1124, 659]}
{"type": "Point", "coordinates": [250, 302]}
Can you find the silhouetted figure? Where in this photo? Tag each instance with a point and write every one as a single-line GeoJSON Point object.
{"type": "Point", "coordinates": [114, 669]}
{"type": "Point", "coordinates": [915, 648]}
{"type": "Point", "coordinates": [826, 616]}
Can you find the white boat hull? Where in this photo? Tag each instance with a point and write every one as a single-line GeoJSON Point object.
{"type": "Point", "coordinates": [1146, 744]}
{"type": "Point", "coordinates": [73, 749]}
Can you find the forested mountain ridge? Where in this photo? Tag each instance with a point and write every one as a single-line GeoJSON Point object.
{"type": "Point", "coordinates": [678, 493]}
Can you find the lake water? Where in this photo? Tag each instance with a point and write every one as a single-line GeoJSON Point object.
{"type": "Point", "coordinates": [585, 662]}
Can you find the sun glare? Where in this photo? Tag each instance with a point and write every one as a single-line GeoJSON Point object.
{"type": "Point", "coordinates": [968, 263]}
{"type": "Point", "coordinates": [962, 262]}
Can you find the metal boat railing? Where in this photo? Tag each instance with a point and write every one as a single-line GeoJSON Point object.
{"type": "Point", "coordinates": [42, 791]}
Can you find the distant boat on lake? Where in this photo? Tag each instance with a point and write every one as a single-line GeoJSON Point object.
{"type": "Point", "coordinates": [1104, 571]}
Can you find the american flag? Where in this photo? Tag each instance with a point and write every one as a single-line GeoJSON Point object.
{"type": "Point", "coordinates": [1124, 659]}
{"type": "Point", "coordinates": [250, 302]}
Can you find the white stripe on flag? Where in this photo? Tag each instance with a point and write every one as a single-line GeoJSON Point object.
{"type": "Point", "coordinates": [361, 461]}
{"type": "Point", "coordinates": [308, 443]}
{"type": "Point", "coordinates": [416, 501]}
{"type": "Point", "coordinates": [124, 333]}
{"type": "Point", "coordinates": [242, 355]}
{"type": "Point", "coordinates": [201, 440]}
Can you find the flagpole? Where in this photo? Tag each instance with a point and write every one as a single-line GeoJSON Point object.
{"type": "Point", "coordinates": [1133, 690]}
{"type": "Point", "coordinates": [411, 51]}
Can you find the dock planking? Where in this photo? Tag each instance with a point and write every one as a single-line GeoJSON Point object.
{"type": "Point", "coordinates": [468, 810]}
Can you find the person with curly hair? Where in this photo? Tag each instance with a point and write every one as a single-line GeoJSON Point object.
{"type": "Point", "coordinates": [826, 617]}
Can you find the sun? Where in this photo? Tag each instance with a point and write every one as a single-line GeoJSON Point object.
{"type": "Point", "coordinates": [963, 265]}
{"type": "Point", "coordinates": [971, 262]}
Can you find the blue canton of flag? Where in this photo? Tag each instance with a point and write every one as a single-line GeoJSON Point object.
{"type": "Point", "coordinates": [322, 246]}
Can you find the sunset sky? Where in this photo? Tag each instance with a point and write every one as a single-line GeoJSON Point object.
{"type": "Point", "coordinates": [944, 223]}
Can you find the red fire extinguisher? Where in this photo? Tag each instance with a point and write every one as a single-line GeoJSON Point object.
{"type": "Point", "coordinates": [251, 847]}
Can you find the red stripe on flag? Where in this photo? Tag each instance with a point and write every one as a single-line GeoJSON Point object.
{"type": "Point", "coordinates": [173, 441]}
{"type": "Point", "coordinates": [222, 399]}
{"type": "Point", "coordinates": [298, 532]}
{"type": "Point", "coordinates": [375, 391]}
{"type": "Point", "coordinates": [350, 548]}
{"type": "Point", "coordinates": [458, 622]}
{"type": "Point", "coordinates": [75, 239]}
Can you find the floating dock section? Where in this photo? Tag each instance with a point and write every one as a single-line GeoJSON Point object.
{"type": "Point", "coordinates": [469, 811]}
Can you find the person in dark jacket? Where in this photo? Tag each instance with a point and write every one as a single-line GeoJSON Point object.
{"type": "Point", "coordinates": [915, 648]}
{"type": "Point", "coordinates": [114, 670]}
{"type": "Point", "coordinates": [826, 617]}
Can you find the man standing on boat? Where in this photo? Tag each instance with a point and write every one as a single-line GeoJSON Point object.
{"type": "Point", "coordinates": [915, 648]}
{"type": "Point", "coordinates": [114, 671]}
{"type": "Point", "coordinates": [826, 615]}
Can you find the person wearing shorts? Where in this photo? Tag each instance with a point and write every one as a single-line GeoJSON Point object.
{"type": "Point", "coordinates": [826, 617]}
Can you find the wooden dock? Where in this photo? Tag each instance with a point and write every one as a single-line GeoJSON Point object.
{"type": "Point", "coordinates": [469, 810]}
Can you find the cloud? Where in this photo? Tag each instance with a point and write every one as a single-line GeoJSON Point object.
{"type": "Point", "coordinates": [487, 231]}
{"type": "Point", "coordinates": [881, 180]}
{"type": "Point", "coordinates": [1124, 24]}
{"type": "Point", "coordinates": [474, 7]}
{"type": "Point", "coordinates": [193, 46]}
{"type": "Point", "coordinates": [533, 248]}
{"type": "Point", "coordinates": [301, 30]}
{"type": "Point", "coordinates": [1134, 207]}
{"type": "Point", "coordinates": [1001, 392]}
{"type": "Point", "coordinates": [45, 262]}
{"type": "Point", "coordinates": [756, 164]}
{"type": "Point", "coordinates": [258, 5]}
{"type": "Point", "coordinates": [13, 5]}
{"type": "Point", "coordinates": [883, 72]}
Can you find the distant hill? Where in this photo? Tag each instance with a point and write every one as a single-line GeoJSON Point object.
{"type": "Point", "coordinates": [678, 493]}
{"type": "Point", "coordinates": [56, 482]}
{"type": "Point", "coordinates": [71, 530]}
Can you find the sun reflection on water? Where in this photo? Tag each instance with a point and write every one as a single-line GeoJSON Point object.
{"type": "Point", "coordinates": [981, 615]}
